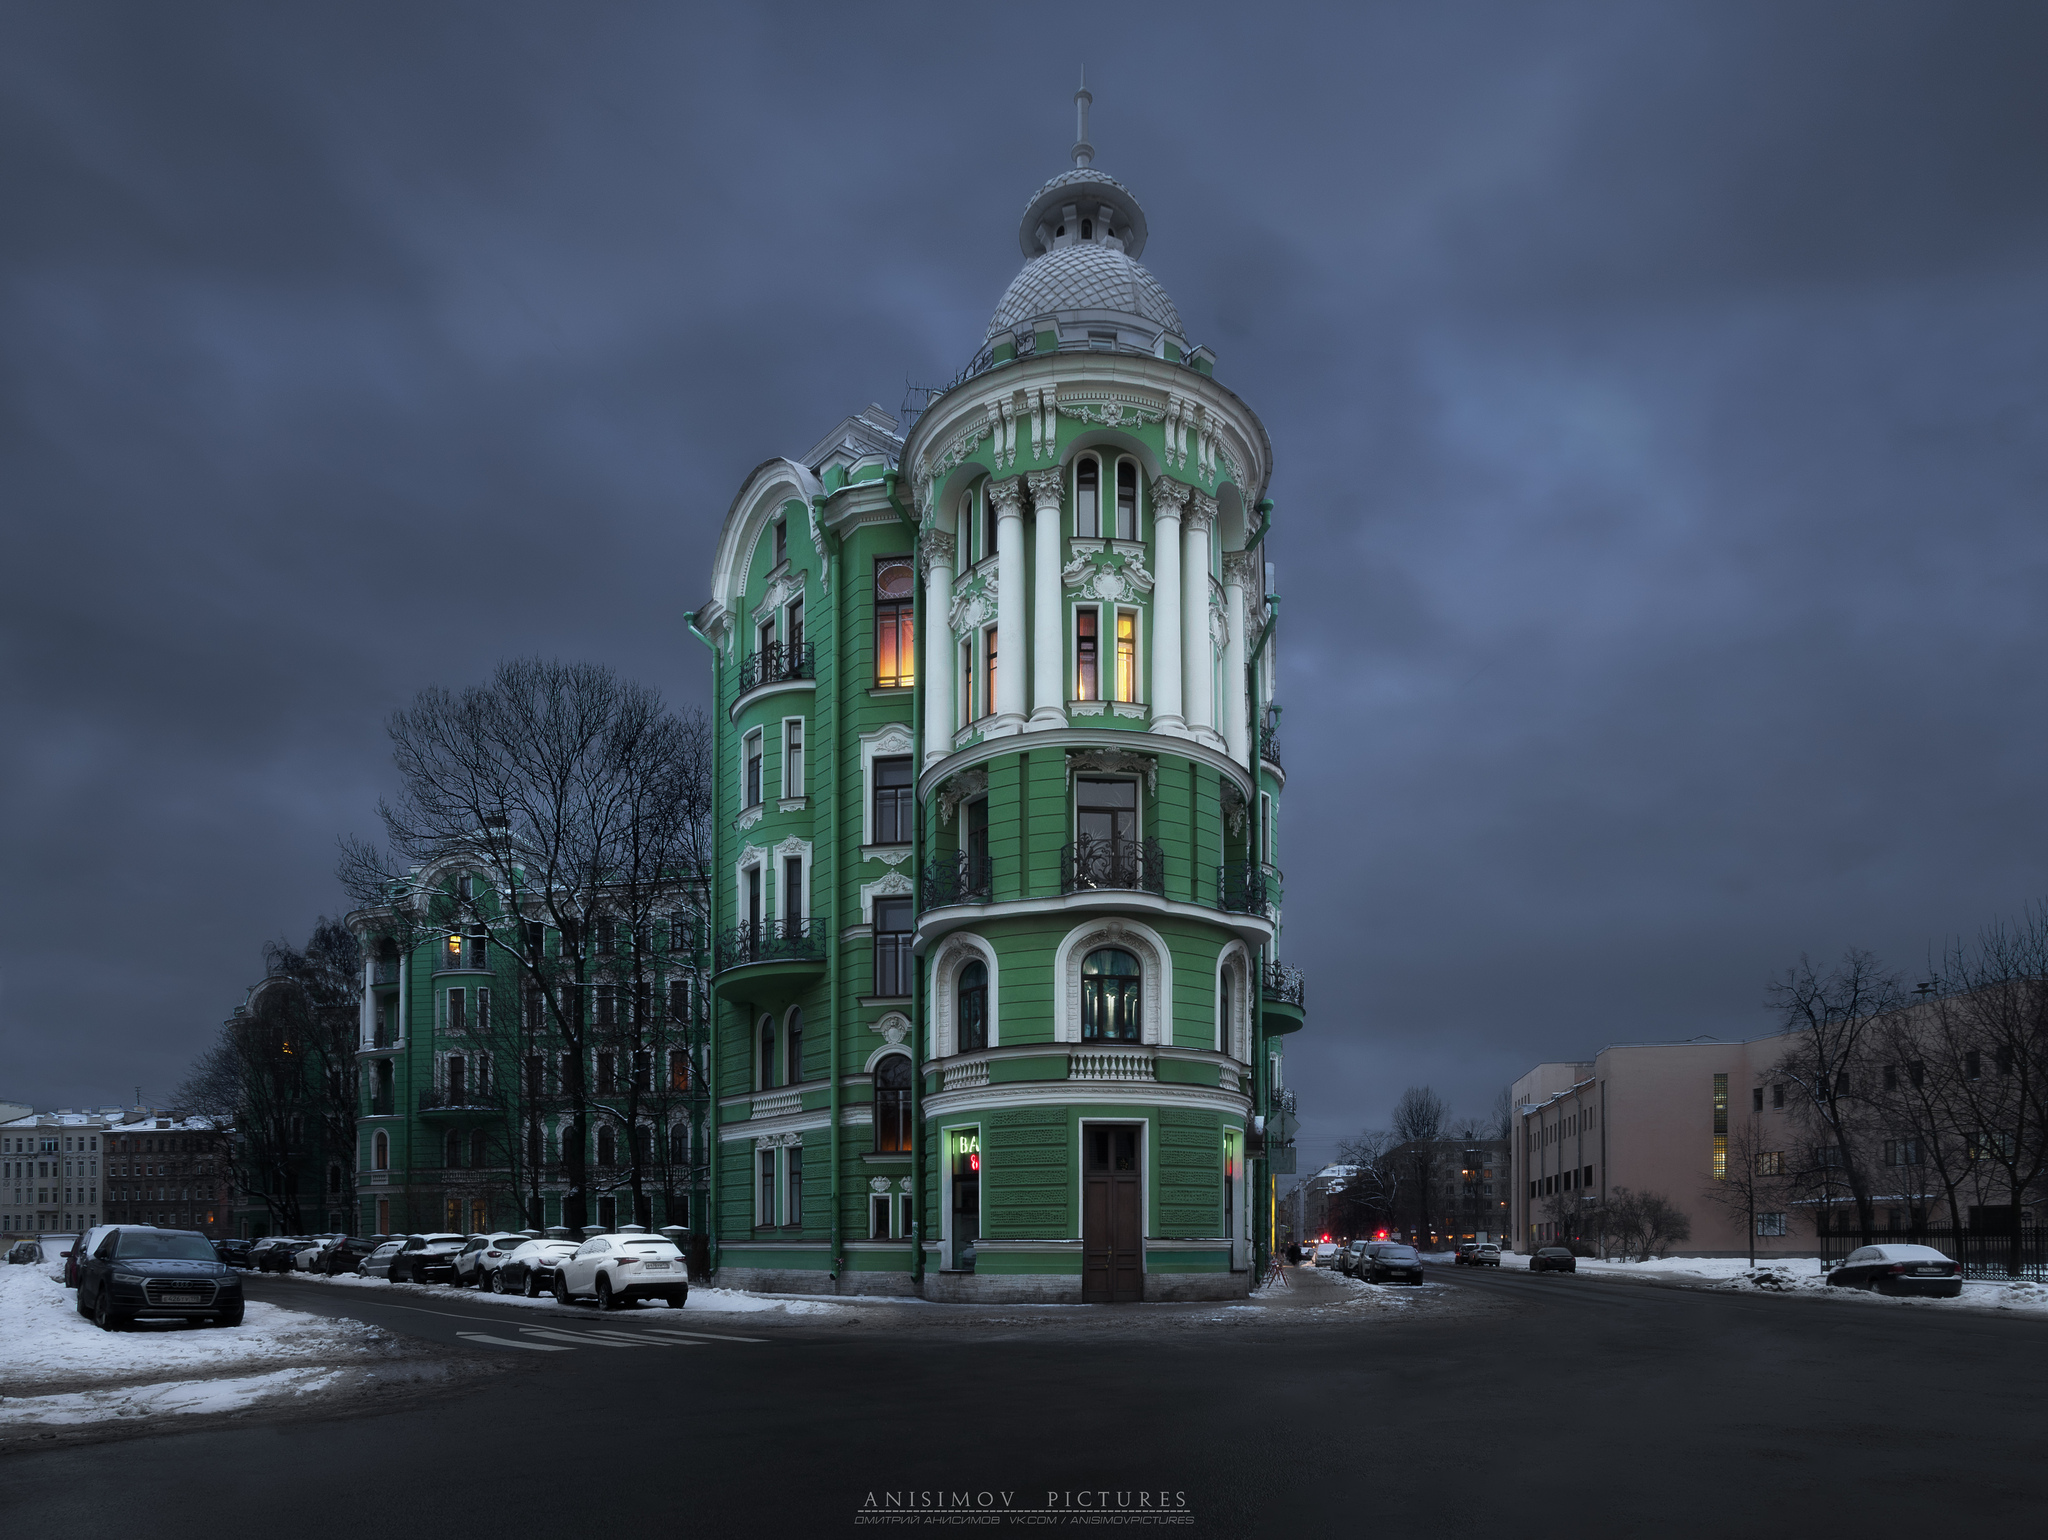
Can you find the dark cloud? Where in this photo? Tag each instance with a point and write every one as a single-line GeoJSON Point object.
{"type": "Point", "coordinates": [1657, 396]}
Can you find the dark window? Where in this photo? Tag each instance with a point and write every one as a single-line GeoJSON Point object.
{"type": "Point", "coordinates": [793, 1049]}
{"type": "Point", "coordinates": [1756, 1100]}
{"type": "Point", "coordinates": [643, 1070]}
{"type": "Point", "coordinates": [1109, 997]}
{"type": "Point", "coordinates": [764, 1200]}
{"type": "Point", "coordinates": [753, 788]}
{"type": "Point", "coordinates": [895, 638]}
{"type": "Point", "coordinates": [607, 1075]}
{"type": "Point", "coordinates": [479, 1149]}
{"type": "Point", "coordinates": [1915, 1071]}
{"type": "Point", "coordinates": [679, 1001]}
{"type": "Point", "coordinates": [453, 1155]}
{"type": "Point", "coordinates": [607, 934]}
{"type": "Point", "coordinates": [607, 1005]}
{"type": "Point", "coordinates": [781, 541]}
{"type": "Point", "coordinates": [892, 802]}
{"type": "Point", "coordinates": [973, 1007]}
{"type": "Point", "coordinates": [1891, 1077]}
{"type": "Point", "coordinates": [458, 1015]}
{"type": "Point", "coordinates": [1126, 500]}
{"type": "Point", "coordinates": [678, 1069]}
{"type": "Point", "coordinates": [1973, 1065]}
{"type": "Point", "coordinates": [1778, 1095]}
{"type": "Point", "coordinates": [892, 1105]}
{"type": "Point", "coordinates": [892, 946]}
{"type": "Point", "coordinates": [607, 1146]}
{"type": "Point", "coordinates": [1087, 663]}
{"type": "Point", "coordinates": [793, 1204]}
{"type": "Point", "coordinates": [767, 1057]}
{"type": "Point", "coordinates": [792, 896]}
{"type": "Point", "coordinates": [1106, 811]}
{"type": "Point", "coordinates": [977, 844]}
{"type": "Point", "coordinates": [457, 1089]}
{"type": "Point", "coordinates": [1087, 498]}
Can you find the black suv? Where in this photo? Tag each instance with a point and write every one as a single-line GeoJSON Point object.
{"type": "Point", "coordinates": [138, 1272]}
{"type": "Point", "coordinates": [427, 1259]}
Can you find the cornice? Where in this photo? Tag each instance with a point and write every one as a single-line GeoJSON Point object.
{"type": "Point", "coordinates": [935, 924]}
{"type": "Point", "coordinates": [1082, 738]}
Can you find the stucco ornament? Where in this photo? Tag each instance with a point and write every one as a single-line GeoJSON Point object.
{"type": "Point", "coordinates": [1007, 497]}
{"type": "Point", "coordinates": [878, 1185]}
{"type": "Point", "coordinates": [1046, 487]}
{"type": "Point", "coordinates": [1201, 515]}
{"type": "Point", "coordinates": [934, 549]}
{"type": "Point", "coordinates": [1002, 427]}
{"type": "Point", "coordinates": [1241, 568]}
{"type": "Point", "coordinates": [964, 787]}
{"type": "Point", "coordinates": [1111, 413]}
{"type": "Point", "coordinates": [1233, 808]}
{"type": "Point", "coordinates": [938, 463]}
{"type": "Point", "coordinates": [1169, 498]}
{"type": "Point", "coordinates": [1044, 414]}
{"type": "Point", "coordinates": [1115, 762]}
{"type": "Point", "coordinates": [1116, 577]}
{"type": "Point", "coordinates": [894, 1028]}
{"type": "Point", "coordinates": [974, 606]}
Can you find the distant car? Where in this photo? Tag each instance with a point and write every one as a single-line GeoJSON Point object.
{"type": "Point", "coordinates": [306, 1258]}
{"type": "Point", "coordinates": [343, 1255]}
{"type": "Point", "coordinates": [1478, 1254]}
{"type": "Point", "coordinates": [1553, 1259]}
{"type": "Point", "coordinates": [273, 1253]}
{"type": "Point", "coordinates": [616, 1269]}
{"type": "Point", "coordinates": [1328, 1253]}
{"type": "Point", "coordinates": [1387, 1262]}
{"type": "Point", "coordinates": [482, 1256]}
{"type": "Point", "coordinates": [530, 1268]}
{"type": "Point", "coordinates": [1900, 1269]}
{"type": "Point", "coordinates": [378, 1263]}
{"type": "Point", "coordinates": [1347, 1264]}
{"type": "Point", "coordinates": [24, 1252]}
{"type": "Point", "coordinates": [233, 1251]}
{"type": "Point", "coordinates": [136, 1273]}
{"type": "Point", "coordinates": [427, 1258]}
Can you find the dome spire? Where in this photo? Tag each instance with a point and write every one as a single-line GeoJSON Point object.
{"type": "Point", "coordinates": [1084, 152]}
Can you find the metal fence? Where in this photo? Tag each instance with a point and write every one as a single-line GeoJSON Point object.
{"type": "Point", "coordinates": [1992, 1254]}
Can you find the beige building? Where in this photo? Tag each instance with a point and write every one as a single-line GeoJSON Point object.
{"type": "Point", "coordinates": [1664, 1118]}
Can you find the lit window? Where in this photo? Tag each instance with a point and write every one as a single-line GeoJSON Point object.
{"type": "Point", "coordinates": [1126, 655]}
{"type": "Point", "coordinates": [895, 638]}
{"type": "Point", "coordinates": [1109, 996]}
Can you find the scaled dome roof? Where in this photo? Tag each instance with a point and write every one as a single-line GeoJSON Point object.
{"type": "Point", "coordinates": [1085, 276]}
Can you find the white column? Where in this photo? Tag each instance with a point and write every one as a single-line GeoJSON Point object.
{"type": "Point", "coordinates": [1239, 569]}
{"type": "Point", "coordinates": [1198, 655]}
{"type": "Point", "coordinates": [935, 550]}
{"type": "Point", "coordinates": [1048, 625]}
{"type": "Point", "coordinates": [1013, 654]}
{"type": "Point", "coordinates": [1168, 498]}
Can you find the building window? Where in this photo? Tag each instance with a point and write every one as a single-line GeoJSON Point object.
{"type": "Point", "coordinates": [607, 1074]}
{"type": "Point", "coordinates": [892, 801]}
{"type": "Point", "coordinates": [1126, 655]}
{"type": "Point", "coordinates": [973, 1007]}
{"type": "Point", "coordinates": [880, 1207]}
{"type": "Point", "coordinates": [793, 1049]}
{"type": "Point", "coordinates": [793, 896]}
{"type": "Point", "coordinates": [1109, 996]}
{"type": "Point", "coordinates": [764, 1190]}
{"type": "Point", "coordinates": [1756, 1100]}
{"type": "Point", "coordinates": [678, 1069]}
{"type": "Point", "coordinates": [1087, 668]}
{"type": "Point", "coordinates": [380, 1152]}
{"type": "Point", "coordinates": [1720, 1128]}
{"type": "Point", "coordinates": [1126, 500]}
{"type": "Point", "coordinates": [1770, 1224]}
{"type": "Point", "coordinates": [607, 1002]}
{"type": "Point", "coordinates": [453, 1154]}
{"type": "Point", "coordinates": [1902, 1152]}
{"type": "Point", "coordinates": [766, 1060]}
{"type": "Point", "coordinates": [458, 1014]}
{"type": "Point", "coordinates": [967, 692]}
{"type": "Point", "coordinates": [793, 1185]}
{"type": "Point", "coordinates": [892, 947]}
{"type": "Point", "coordinates": [643, 1070]}
{"type": "Point", "coordinates": [892, 1105]}
{"type": "Point", "coordinates": [895, 638]}
{"type": "Point", "coordinates": [753, 758]}
{"type": "Point", "coordinates": [793, 757]}
{"type": "Point", "coordinates": [988, 672]}
{"type": "Point", "coordinates": [607, 1145]}
{"type": "Point", "coordinates": [966, 526]}
{"type": "Point", "coordinates": [1778, 1096]}
{"type": "Point", "coordinates": [679, 1001]}
{"type": "Point", "coordinates": [1770, 1162]}
{"type": "Point", "coordinates": [781, 541]}
{"type": "Point", "coordinates": [1105, 812]}
{"type": "Point", "coordinates": [1087, 498]}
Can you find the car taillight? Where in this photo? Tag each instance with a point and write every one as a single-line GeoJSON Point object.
{"type": "Point", "coordinates": [1896, 1267]}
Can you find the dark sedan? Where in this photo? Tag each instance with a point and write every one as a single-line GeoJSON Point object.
{"type": "Point", "coordinates": [1897, 1269]}
{"type": "Point", "coordinates": [137, 1274]}
{"type": "Point", "coordinates": [345, 1254]}
{"type": "Point", "coordinates": [233, 1252]}
{"type": "Point", "coordinates": [530, 1270]}
{"type": "Point", "coordinates": [1387, 1262]}
{"type": "Point", "coordinates": [273, 1253]}
{"type": "Point", "coordinates": [427, 1259]}
{"type": "Point", "coordinates": [1553, 1259]}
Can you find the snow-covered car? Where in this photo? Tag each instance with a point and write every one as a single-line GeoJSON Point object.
{"type": "Point", "coordinates": [482, 1255]}
{"type": "Point", "coordinates": [1387, 1262]}
{"type": "Point", "coordinates": [1552, 1259]}
{"type": "Point", "coordinates": [529, 1269]}
{"type": "Point", "coordinates": [615, 1269]}
{"type": "Point", "coordinates": [136, 1272]}
{"type": "Point", "coordinates": [84, 1249]}
{"type": "Point", "coordinates": [24, 1252]}
{"type": "Point", "coordinates": [378, 1263]}
{"type": "Point", "coordinates": [427, 1259]}
{"type": "Point", "coordinates": [1900, 1269]}
{"type": "Point", "coordinates": [1327, 1253]}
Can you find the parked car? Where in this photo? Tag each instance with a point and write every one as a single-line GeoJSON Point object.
{"type": "Point", "coordinates": [378, 1263]}
{"type": "Point", "coordinates": [616, 1269]}
{"type": "Point", "coordinates": [273, 1253]}
{"type": "Point", "coordinates": [306, 1258]}
{"type": "Point", "coordinates": [344, 1254]}
{"type": "Point", "coordinates": [530, 1268]}
{"type": "Point", "coordinates": [1478, 1254]}
{"type": "Point", "coordinates": [482, 1255]}
{"type": "Point", "coordinates": [232, 1251]}
{"type": "Point", "coordinates": [84, 1249]}
{"type": "Point", "coordinates": [1389, 1262]}
{"type": "Point", "coordinates": [427, 1259]}
{"type": "Point", "coordinates": [24, 1252]}
{"type": "Point", "coordinates": [55, 1245]}
{"type": "Point", "coordinates": [1327, 1253]}
{"type": "Point", "coordinates": [136, 1273]}
{"type": "Point", "coordinates": [1900, 1269]}
{"type": "Point", "coordinates": [1347, 1264]}
{"type": "Point", "coordinates": [1553, 1259]}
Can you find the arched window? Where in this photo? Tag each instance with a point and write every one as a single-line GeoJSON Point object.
{"type": "Point", "coordinates": [964, 555]}
{"type": "Point", "coordinates": [1126, 500]}
{"type": "Point", "coordinates": [973, 1013]}
{"type": "Point", "coordinates": [479, 1149]}
{"type": "Point", "coordinates": [454, 1149]}
{"type": "Point", "coordinates": [607, 1146]}
{"type": "Point", "coordinates": [1087, 497]}
{"type": "Point", "coordinates": [794, 1049]}
{"type": "Point", "coordinates": [766, 1065]}
{"type": "Point", "coordinates": [892, 1105]}
{"type": "Point", "coordinates": [380, 1152]}
{"type": "Point", "coordinates": [1109, 996]}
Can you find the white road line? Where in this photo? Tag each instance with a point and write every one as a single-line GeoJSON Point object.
{"type": "Point", "coordinates": [583, 1338]}
{"type": "Point", "coordinates": [532, 1347]}
{"type": "Point", "coordinates": [707, 1336]}
{"type": "Point", "coordinates": [630, 1338]}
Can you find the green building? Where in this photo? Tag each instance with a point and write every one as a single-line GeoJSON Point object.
{"type": "Point", "coordinates": [997, 1006]}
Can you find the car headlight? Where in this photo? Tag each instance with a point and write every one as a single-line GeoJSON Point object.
{"type": "Point", "coordinates": [135, 1278]}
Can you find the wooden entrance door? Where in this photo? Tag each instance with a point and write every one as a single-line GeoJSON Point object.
{"type": "Point", "coordinates": [1112, 1214]}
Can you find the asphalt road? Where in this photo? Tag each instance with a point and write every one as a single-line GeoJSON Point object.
{"type": "Point", "coordinates": [1548, 1405]}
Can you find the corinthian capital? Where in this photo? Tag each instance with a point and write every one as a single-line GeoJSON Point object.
{"type": "Point", "coordinates": [935, 550]}
{"type": "Point", "coordinates": [1169, 498]}
{"type": "Point", "coordinates": [1201, 513]}
{"type": "Point", "coordinates": [1241, 569]}
{"type": "Point", "coordinates": [1007, 497]}
{"type": "Point", "coordinates": [1045, 489]}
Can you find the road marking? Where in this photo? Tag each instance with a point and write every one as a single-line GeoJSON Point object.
{"type": "Point", "coordinates": [599, 1334]}
{"type": "Point", "coordinates": [532, 1347]}
{"type": "Point", "coordinates": [591, 1338]}
{"type": "Point", "coordinates": [708, 1336]}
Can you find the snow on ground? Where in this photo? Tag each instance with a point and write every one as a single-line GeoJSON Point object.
{"type": "Point", "coordinates": [1795, 1275]}
{"type": "Point", "coordinates": [45, 1341]}
{"type": "Point", "coordinates": [175, 1396]}
{"type": "Point", "coordinates": [703, 1300]}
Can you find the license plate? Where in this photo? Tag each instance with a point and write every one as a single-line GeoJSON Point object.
{"type": "Point", "coordinates": [655, 1267]}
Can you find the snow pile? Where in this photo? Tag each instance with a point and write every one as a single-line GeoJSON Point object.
{"type": "Point", "coordinates": [1804, 1275]}
{"type": "Point", "coordinates": [703, 1298]}
{"type": "Point", "coordinates": [173, 1397]}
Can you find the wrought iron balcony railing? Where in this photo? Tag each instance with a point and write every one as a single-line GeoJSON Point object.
{"type": "Point", "coordinates": [1269, 745]}
{"type": "Point", "coordinates": [1248, 887]}
{"type": "Point", "coordinates": [957, 879]}
{"type": "Point", "coordinates": [1285, 984]}
{"type": "Point", "coordinates": [384, 971]}
{"type": "Point", "coordinates": [770, 941]}
{"type": "Point", "coordinates": [1093, 862]}
{"type": "Point", "coordinates": [777, 663]}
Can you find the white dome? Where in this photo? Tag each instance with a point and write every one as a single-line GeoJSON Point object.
{"type": "Point", "coordinates": [1085, 276]}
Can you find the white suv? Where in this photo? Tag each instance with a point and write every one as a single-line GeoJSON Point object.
{"type": "Point", "coordinates": [627, 1266]}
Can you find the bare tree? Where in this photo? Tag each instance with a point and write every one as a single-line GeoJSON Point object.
{"type": "Point", "coordinates": [1419, 1118]}
{"type": "Point", "coordinates": [1642, 1225]}
{"type": "Point", "coordinates": [1831, 1022]}
{"type": "Point", "coordinates": [1370, 1195]}
{"type": "Point", "coordinates": [1754, 1182]}
{"type": "Point", "coordinates": [321, 1007]}
{"type": "Point", "coordinates": [585, 801]}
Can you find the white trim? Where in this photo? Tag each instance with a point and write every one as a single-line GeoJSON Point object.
{"type": "Point", "coordinates": [1145, 1143]}
{"type": "Point", "coordinates": [970, 754]}
{"type": "Point", "coordinates": [894, 885]}
{"type": "Point", "coordinates": [801, 849]}
{"type": "Point", "coordinates": [790, 794]}
{"type": "Point", "coordinates": [1254, 930]}
{"type": "Point", "coordinates": [1155, 994]}
{"type": "Point", "coordinates": [941, 978]}
{"type": "Point", "coordinates": [1094, 1093]}
{"type": "Point", "coordinates": [890, 742]}
{"type": "Point", "coordinates": [1234, 1037]}
{"type": "Point", "coordinates": [882, 1051]}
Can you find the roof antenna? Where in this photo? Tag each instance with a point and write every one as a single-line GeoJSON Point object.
{"type": "Point", "coordinates": [1084, 152]}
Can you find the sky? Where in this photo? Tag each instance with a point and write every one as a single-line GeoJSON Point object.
{"type": "Point", "coordinates": [1656, 394]}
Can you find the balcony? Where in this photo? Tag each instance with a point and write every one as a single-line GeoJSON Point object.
{"type": "Point", "coordinates": [384, 972]}
{"type": "Point", "coordinates": [1132, 866]}
{"type": "Point", "coordinates": [788, 953]}
{"type": "Point", "coordinates": [1248, 887]}
{"type": "Point", "coordinates": [434, 1099]}
{"type": "Point", "coordinates": [1269, 747]}
{"type": "Point", "coordinates": [958, 879]}
{"type": "Point", "coordinates": [777, 663]}
{"type": "Point", "coordinates": [1286, 997]}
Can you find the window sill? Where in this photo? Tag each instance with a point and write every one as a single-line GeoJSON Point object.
{"type": "Point", "coordinates": [792, 804]}
{"type": "Point", "coordinates": [892, 689]}
{"type": "Point", "coordinates": [881, 1002]}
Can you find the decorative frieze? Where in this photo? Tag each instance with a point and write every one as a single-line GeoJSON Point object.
{"type": "Point", "coordinates": [964, 787]}
{"type": "Point", "coordinates": [1115, 577]}
{"type": "Point", "coordinates": [974, 606]}
{"type": "Point", "coordinates": [1114, 762]}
